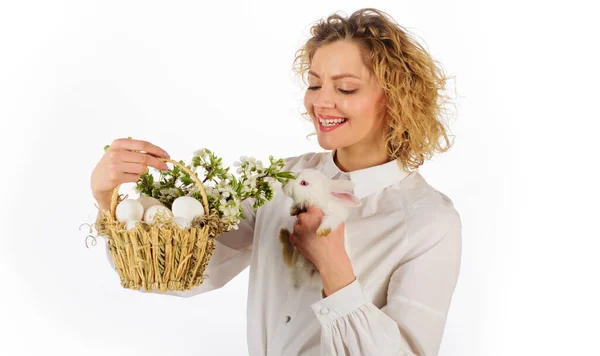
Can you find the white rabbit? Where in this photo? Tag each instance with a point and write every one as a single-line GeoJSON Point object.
{"type": "Point", "coordinates": [334, 198]}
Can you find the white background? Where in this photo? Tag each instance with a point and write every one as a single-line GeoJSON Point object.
{"type": "Point", "coordinates": [74, 75]}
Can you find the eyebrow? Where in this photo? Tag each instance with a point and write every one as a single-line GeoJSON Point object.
{"type": "Point", "coordinates": [334, 77]}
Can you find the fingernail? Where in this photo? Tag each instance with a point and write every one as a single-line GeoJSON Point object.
{"type": "Point", "coordinates": [166, 155]}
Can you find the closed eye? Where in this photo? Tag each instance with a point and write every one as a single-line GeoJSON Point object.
{"type": "Point", "coordinates": [347, 92]}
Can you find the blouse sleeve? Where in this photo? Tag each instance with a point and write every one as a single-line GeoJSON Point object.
{"type": "Point", "coordinates": [232, 254]}
{"type": "Point", "coordinates": [418, 298]}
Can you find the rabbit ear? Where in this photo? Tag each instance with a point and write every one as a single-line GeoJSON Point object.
{"type": "Point", "coordinates": [339, 184]}
{"type": "Point", "coordinates": [347, 198]}
{"type": "Point", "coordinates": [342, 191]}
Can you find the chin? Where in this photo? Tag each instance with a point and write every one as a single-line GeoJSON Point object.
{"type": "Point", "coordinates": [328, 145]}
{"type": "Point", "coordinates": [331, 146]}
{"type": "Point", "coordinates": [330, 142]}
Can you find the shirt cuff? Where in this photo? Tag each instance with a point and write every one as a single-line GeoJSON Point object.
{"type": "Point", "coordinates": [340, 303]}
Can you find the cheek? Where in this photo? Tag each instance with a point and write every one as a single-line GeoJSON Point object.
{"type": "Point", "coordinates": [359, 108]}
{"type": "Point", "coordinates": [308, 102]}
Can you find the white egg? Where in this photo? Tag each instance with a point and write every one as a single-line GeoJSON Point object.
{"type": "Point", "coordinates": [156, 209]}
{"type": "Point", "coordinates": [129, 209]}
{"type": "Point", "coordinates": [183, 223]}
{"type": "Point", "coordinates": [147, 201]}
{"type": "Point", "coordinates": [187, 207]}
{"type": "Point", "coordinates": [131, 224]}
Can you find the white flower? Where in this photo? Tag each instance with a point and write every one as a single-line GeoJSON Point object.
{"type": "Point", "coordinates": [227, 191]}
{"type": "Point", "coordinates": [233, 210]}
{"type": "Point", "coordinates": [200, 153]}
{"type": "Point", "coordinates": [222, 185]}
{"type": "Point", "coordinates": [211, 191]}
{"type": "Point", "coordinates": [252, 182]}
{"type": "Point", "coordinates": [174, 192]}
{"type": "Point", "coordinates": [199, 170]}
{"type": "Point", "coordinates": [232, 226]}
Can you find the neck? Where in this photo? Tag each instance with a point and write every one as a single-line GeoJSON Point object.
{"type": "Point", "coordinates": [350, 159]}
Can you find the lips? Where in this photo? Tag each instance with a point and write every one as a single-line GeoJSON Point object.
{"type": "Point", "coordinates": [327, 125]}
{"type": "Point", "coordinates": [323, 116]}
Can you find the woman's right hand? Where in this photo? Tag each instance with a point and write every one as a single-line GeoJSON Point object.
{"type": "Point", "coordinates": [124, 161]}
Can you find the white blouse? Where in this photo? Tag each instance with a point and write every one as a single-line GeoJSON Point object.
{"type": "Point", "coordinates": [404, 243]}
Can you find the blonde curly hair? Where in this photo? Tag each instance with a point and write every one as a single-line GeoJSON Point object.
{"type": "Point", "coordinates": [412, 81]}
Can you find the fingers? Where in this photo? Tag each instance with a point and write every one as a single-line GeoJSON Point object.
{"type": "Point", "coordinates": [306, 223]}
{"type": "Point", "coordinates": [141, 159]}
{"type": "Point", "coordinates": [312, 216]}
{"type": "Point", "coordinates": [140, 146]}
{"type": "Point", "coordinates": [128, 178]}
{"type": "Point", "coordinates": [313, 210]}
{"type": "Point", "coordinates": [132, 168]}
{"type": "Point", "coordinates": [125, 161]}
{"type": "Point", "coordinates": [124, 166]}
{"type": "Point", "coordinates": [116, 178]}
{"type": "Point", "coordinates": [297, 229]}
{"type": "Point", "coordinates": [293, 239]}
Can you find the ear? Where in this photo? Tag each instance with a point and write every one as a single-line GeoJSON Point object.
{"type": "Point", "coordinates": [347, 198]}
{"type": "Point", "coordinates": [339, 184]}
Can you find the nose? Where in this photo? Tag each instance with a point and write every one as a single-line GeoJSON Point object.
{"type": "Point", "coordinates": [324, 99]}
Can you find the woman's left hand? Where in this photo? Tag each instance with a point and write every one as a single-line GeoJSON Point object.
{"type": "Point", "coordinates": [328, 253]}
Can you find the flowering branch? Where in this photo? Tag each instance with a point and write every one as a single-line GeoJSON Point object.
{"type": "Point", "coordinates": [225, 191]}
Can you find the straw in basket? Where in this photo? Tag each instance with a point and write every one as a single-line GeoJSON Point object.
{"type": "Point", "coordinates": [162, 256]}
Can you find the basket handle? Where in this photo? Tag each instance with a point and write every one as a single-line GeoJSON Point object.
{"type": "Point", "coordinates": [115, 195]}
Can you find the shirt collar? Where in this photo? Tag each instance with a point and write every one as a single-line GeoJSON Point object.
{"type": "Point", "coordinates": [368, 180]}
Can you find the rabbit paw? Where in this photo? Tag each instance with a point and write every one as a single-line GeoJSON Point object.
{"type": "Point", "coordinates": [323, 232]}
{"type": "Point", "coordinates": [327, 224]}
{"type": "Point", "coordinates": [295, 210]}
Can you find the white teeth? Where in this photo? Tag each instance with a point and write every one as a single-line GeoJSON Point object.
{"type": "Point", "coordinates": [331, 122]}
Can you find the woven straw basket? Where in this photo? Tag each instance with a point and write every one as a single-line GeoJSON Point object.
{"type": "Point", "coordinates": [162, 256]}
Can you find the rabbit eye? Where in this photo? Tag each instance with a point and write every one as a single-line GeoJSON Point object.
{"type": "Point", "coordinates": [303, 182]}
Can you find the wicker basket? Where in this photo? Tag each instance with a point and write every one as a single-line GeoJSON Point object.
{"type": "Point", "coordinates": [161, 256]}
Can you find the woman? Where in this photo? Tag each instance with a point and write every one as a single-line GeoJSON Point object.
{"type": "Point", "coordinates": [374, 96]}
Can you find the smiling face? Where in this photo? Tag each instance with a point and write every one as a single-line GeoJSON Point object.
{"type": "Point", "coordinates": [344, 99]}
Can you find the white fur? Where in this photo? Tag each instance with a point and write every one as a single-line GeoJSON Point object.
{"type": "Point", "coordinates": [334, 198]}
{"type": "Point", "coordinates": [323, 193]}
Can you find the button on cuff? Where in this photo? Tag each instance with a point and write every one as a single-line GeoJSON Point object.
{"type": "Point", "coordinates": [340, 303]}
